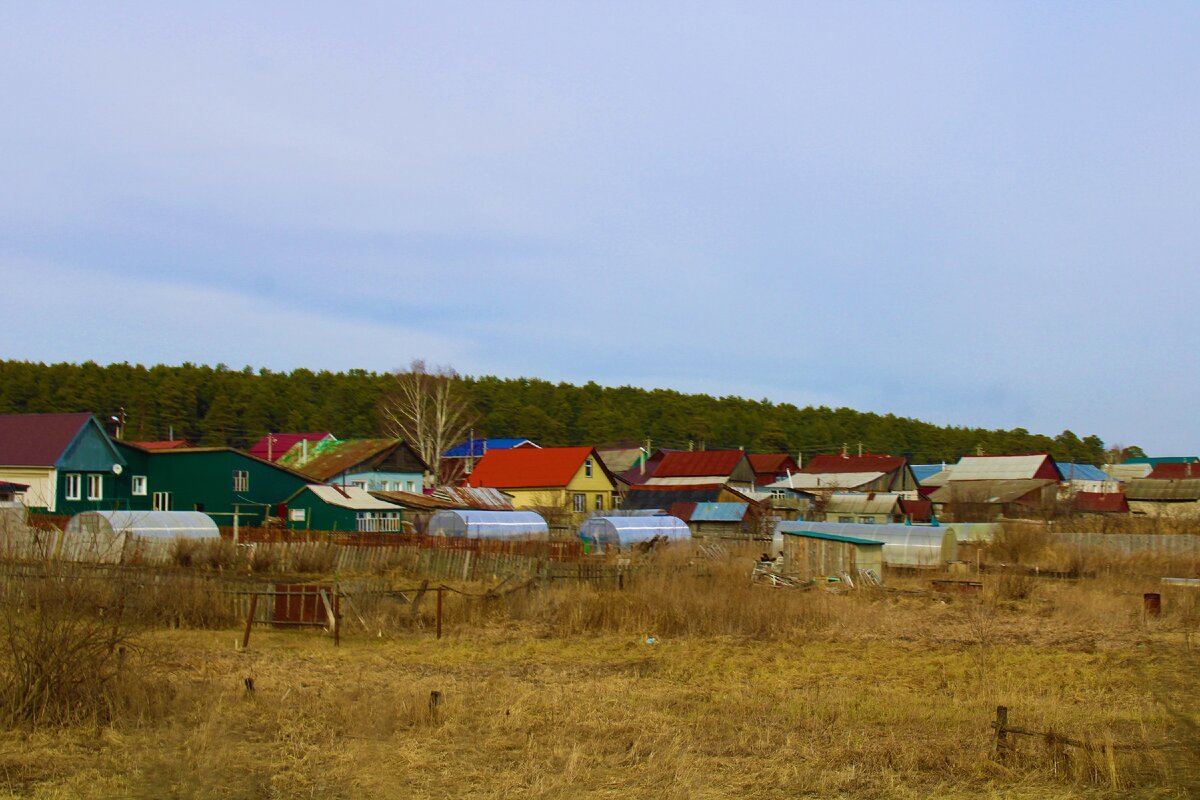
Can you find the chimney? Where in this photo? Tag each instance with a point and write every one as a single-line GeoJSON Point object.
{"type": "Point", "coordinates": [304, 451]}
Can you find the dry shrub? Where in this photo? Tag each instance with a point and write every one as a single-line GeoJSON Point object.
{"type": "Point", "coordinates": [183, 601]}
{"type": "Point", "coordinates": [1012, 585]}
{"type": "Point", "coordinates": [311, 558]}
{"type": "Point", "coordinates": [263, 559]}
{"type": "Point", "coordinates": [1016, 543]}
{"type": "Point", "coordinates": [65, 644]}
{"type": "Point", "coordinates": [214, 554]}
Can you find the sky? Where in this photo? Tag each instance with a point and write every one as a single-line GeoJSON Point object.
{"type": "Point", "coordinates": [977, 214]}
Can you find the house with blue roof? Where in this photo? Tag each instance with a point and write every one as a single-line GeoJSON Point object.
{"type": "Point", "coordinates": [1086, 478]}
{"type": "Point", "coordinates": [459, 461]}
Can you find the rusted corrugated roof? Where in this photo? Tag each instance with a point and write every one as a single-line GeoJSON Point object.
{"type": "Point", "coordinates": [702, 463]}
{"type": "Point", "coordinates": [1172, 471]}
{"type": "Point", "coordinates": [423, 502]}
{"type": "Point", "coordinates": [996, 492]}
{"type": "Point", "coordinates": [822, 465]}
{"type": "Point", "coordinates": [330, 458]}
{"type": "Point", "coordinates": [478, 497]}
{"type": "Point", "coordinates": [37, 440]}
{"type": "Point", "coordinates": [769, 467]}
{"type": "Point", "coordinates": [1163, 490]}
{"type": "Point", "coordinates": [917, 510]}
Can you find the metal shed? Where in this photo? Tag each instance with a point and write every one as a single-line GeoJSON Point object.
{"type": "Point", "coordinates": [472, 524]}
{"type": "Point", "coordinates": [627, 531]}
{"type": "Point", "coordinates": [903, 545]}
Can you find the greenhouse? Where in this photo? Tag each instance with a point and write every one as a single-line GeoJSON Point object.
{"type": "Point", "coordinates": [903, 545]}
{"type": "Point", "coordinates": [505, 525]}
{"type": "Point", "coordinates": [145, 524]}
{"type": "Point", "coordinates": [627, 531]}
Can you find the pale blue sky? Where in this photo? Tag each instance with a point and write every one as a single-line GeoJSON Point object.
{"type": "Point", "coordinates": [975, 214]}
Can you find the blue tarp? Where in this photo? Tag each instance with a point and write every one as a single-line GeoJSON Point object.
{"type": "Point", "coordinates": [477, 447]}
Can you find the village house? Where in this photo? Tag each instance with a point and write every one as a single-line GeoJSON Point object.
{"type": "Point", "coordinates": [569, 478]}
{"type": "Point", "coordinates": [701, 467]}
{"type": "Point", "coordinates": [772, 467]}
{"type": "Point", "coordinates": [373, 465]}
{"type": "Point", "coordinates": [982, 488]}
{"type": "Point", "coordinates": [871, 508]}
{"type": "Point", "coordinates": [336, 508]}
{"type": "Point", "coordinates": [1164, 497]}
{"type": "Point", "coordinates": [865, 473]}
{"type": "Point", "coordinates": [459, 461]}
{"type": "Point", "coordinates": [68, 462]}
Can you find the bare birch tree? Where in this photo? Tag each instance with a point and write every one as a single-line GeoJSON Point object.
{"type": "Point", "coordinates": [426, 406]}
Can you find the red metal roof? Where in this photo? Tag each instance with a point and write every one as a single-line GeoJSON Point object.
{"type": "Point", "coordinates": [529, 467]}
{"type": "Point", "coordinates": [163, 444]}
{"type": "Point", "coordinates": [37, 440]}
{"type": "Point", "coordinates": [917, 510]}
{"type": "Point", "coordinates": [695, 464]}
{"type": "Point", "coordinates": [280, 443]}
{"type": "Point", "coordinates": [1175, 471]}
{"type": "Point", "coordinates": [769, 466]}
{"type": "Point", "coordinates": [827, 465]}
{"type": "Point", "coordinates": [682, 511]}
{"type": "Point", "coordinates": [1102, 502]}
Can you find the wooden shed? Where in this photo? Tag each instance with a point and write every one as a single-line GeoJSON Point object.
{"type": "Point", "coordinates": [811, 555]}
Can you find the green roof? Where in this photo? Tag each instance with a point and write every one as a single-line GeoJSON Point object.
{"type": "Point", "coordinates": [832, 537]}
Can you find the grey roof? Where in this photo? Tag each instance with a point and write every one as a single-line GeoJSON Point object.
{"type": "Point", "coordinates": [827, 480]}
{"type": "Point", "coordinates": [873, 503]}
{"type": "Point", "coordinates": [1184, 489]}
{"type": "Point", "coordinates": [996, 491]}
{"type": "Point", "coordinates": [996, 468]}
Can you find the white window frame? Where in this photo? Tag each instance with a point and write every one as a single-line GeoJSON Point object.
{"type": "Point", "coordinates": [74, 488]}
{"type": "Point", "coordinates": [599, 502]}
{"type": "Point", "coordinates": [410, 486]}
{"type": "Point", "coordinates": [864, 520]}
{"type": "Point", "coordinates": [95, 486]}
{"type": "Point", "coordinates": [137, 485]}
{"type": "Point", "coordinates": [587, 467]}
{"type": "Point", "coordinates": [241, 480]}
{"type": "Point", "coordinates": [359, 485]}
{"type": "Point", "coordinates": [162, 501]}
{"type": "Point", "coordinates": [579, 502]}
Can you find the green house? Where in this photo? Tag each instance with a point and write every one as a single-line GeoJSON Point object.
{"type": "Point", "coordinates": [216, 480]}
{"type": "Point", "coordinates": [68, 461]}
{"type": "Point", "coordinates": [322, 507]}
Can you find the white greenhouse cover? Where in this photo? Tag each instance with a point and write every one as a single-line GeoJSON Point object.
{"type": "Point", "coordinates": [472, 524]}
{"type": "Point", "coordinates": [146, 524]}
{"type": "Point", "coordinates": [627, 531]}
{"type": "Point", "coordinates": [903, 545]}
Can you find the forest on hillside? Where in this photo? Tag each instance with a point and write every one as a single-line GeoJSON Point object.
{"type": "Point", "coordinates": [222, 406]}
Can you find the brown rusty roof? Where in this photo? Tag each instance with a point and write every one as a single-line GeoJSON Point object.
{"type": "Point", "coordinates": [37, 440]}
{"type": "Point", "coordinates": [332, 457]}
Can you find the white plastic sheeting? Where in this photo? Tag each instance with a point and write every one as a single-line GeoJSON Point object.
{"type": "Point", "coordinates": [628, 531]}
{"type": "Point", "coordinates": [903, 545]}
{"type": "Point", "coordinates": [145, 524]}
{"type": "Point", "coordinates": [472, 524]}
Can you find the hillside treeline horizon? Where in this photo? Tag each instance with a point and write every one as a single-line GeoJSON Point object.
{"type": "Point", "coordinates": [222, 406]}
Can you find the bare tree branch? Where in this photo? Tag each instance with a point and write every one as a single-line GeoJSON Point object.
{"type": "Point", "coordinates": [426, 406]}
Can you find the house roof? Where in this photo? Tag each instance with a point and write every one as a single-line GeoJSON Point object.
{"type": "Point", "coordinates": [1173, 470]}
{"type": "Point", "coordinates": [719, 512]}
{"type": "Point", "coordinates": [681, 510]}
{"type": "Point", "coordinates": [1087, 472]}
{"type": "Point", "coordinates": [478, 497]}
{"type": "Point", "coordinates": [331, 457]}
{"type": "Point", "coordinates": [163, 444]}
{"type": "Point", "coordinates": [279, 443]}
{"type": "Point", "coordinates": [38, 440]}
{"type": "Point", "coordinates": [1164, 490]}
{"type": "Point", "coordinates": [351, 497]}
{"type": "Point", "coordinates": [1127, 472]}
{"type": "Point", "coordinates": [1002, 468]}
{"type": "Point", "coordinates": [917, 510]}
{"type": "Point", "coordinates": [871, 503]}
{"type": "Point", "coordinates": [866, 463]}
{"type": "Point", "coordinates": [700, 463]}
{"type": "Point", "coordinates": [620, 459]}
{"type": "Point", "coordinates": [531, 467]}
{"type": "Point", "coordinates": [827, 480]}
{"type": "Point", "coordinates": [1156, 460]}
{"type": "Point", "coordinates": [769, 466]}
{"type": "Point", "coordinates": [642, 497]}
{"type": "Point", "coordinates": [420, 502]}
{"type": "Point", "coordinates": [991, 492]}
{"type": "Point", "coordinates": [13, 488]}
{"type": "Point", "coordinates": [183, 451]}
{"type": "Point", "coordinates": [479, 447]}
{"type": "Point", "coordinates": [923, 471]}
{"type": "Point", "coordinates": [1101, 502]}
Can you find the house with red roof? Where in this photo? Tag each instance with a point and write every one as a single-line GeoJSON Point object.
{"type": "Point", "coordinates": [771, 467]}
{"type": "Point", "coordinates": [67, 461]}
{"type": "Point", "coordinates": [847, 473]}
{"type": "Point", "coordinates": [570, 478]}
{"type": "Point", "coordinates": [699, 467]}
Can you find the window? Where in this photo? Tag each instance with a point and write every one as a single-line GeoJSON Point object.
{"type": "Point", "coordinates": [580, 503]}
{"type": "Point", "coordinates": [599, 502]}
{"type": "Point", "coordinates": [138, 485]}
{"type": "Point", "coordinates": [587, 468]}
{"type": "Point", "coordinates": [616, 501]}
{"type": "Point", "coordinates": [359, 485]}
{"type": "Point", "coordinates": [241, 480]}
{"type": "Point", "coordinates": [410, 486]}
{"type": "Point", "coordinates": [296, 514]}
{"type": "Point", "coordinates": [95, 487]}
{"type": "Point", "coordinates": [845, 519]}
{"type": "Point", "coordinates": [74, 487]}
{"type": "Point", "coordinates": [867, 520]}
{"type": "Point", "coordinates": [161, 501]}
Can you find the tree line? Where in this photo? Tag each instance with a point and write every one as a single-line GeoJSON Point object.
{"type": "Point", "coordinates": [217, 405]}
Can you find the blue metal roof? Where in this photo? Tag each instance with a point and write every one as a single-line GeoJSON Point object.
{"type": "Point", "coordinates": [1082, 472]}
{"type": "Point", "coordinates": [923, 471]}
{"type": "Point", "coordinates": [719, 512]}
{"type": "Point", "coordinates": [477, 447]}
{"type": "Point", "coordinates": [832, 537]}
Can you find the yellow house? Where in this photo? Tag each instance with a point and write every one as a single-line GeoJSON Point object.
{"type": "Point", "coordinates": [570, 478]}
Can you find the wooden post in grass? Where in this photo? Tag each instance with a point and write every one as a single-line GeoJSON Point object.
{"type": "Point", "coordinates": [1001, 726]}
{"type": "Point", "coordinates": [440, 591]}
{"type": "Point", "coordinates": [337, 615]}
{"type": "Point", "coordinates": [249, 621]}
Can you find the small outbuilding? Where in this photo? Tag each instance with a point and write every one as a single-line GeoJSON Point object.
{"type": "Point", "coordinates": [342, 508]}
{"type": "Point", "coordinates": [501, 525]}
{"type": "Point", "coordinates": [626, 531]}
{"type": "Point", "coordinates": [812, 555]}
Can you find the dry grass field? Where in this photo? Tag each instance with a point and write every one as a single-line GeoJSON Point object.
{"type": "Point", "coordinates": [746, 691]}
